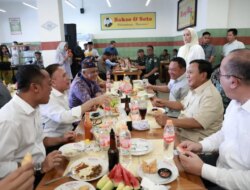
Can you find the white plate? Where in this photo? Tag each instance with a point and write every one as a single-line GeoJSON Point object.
{"type": "Point", "coordinates": [140, 146]}
{"type": "Point", "coordinates": [90, 161]}
{"type": "Point", "coordinates": [145, 94]}
{"type": "Point", "coordinates": [74, 185]}
{"type": "Point", "coordinates": [141, 125]}
{"type": "Point", "coordinates": [156, 178]}
{"type": "Point", "coordinates": [151, 112]}
{"type": "Point", "coordinates": [72, 149]}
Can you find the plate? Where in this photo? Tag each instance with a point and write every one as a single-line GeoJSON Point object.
{"type": "Point", "coordinates": [74, 185]}
{"type": "Point", "coordinates": [92, 161]}
{"type": "Point", "coordinates": [143, 93]}
{"type": "Point", "coordinates": [72, 149]}
{"type": "Point", "coordinates": [154, 110]}
{"type": "Point", "coordinates": [156, 178]}
{"type": "Point", "coordinates": [141, 125]}
{"type": "Point", "coordinates": [140, 146]}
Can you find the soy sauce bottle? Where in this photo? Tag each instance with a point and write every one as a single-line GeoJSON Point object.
{"type": "Point", "coordinates": [113, 152]}
{"type": "Point", "coordinates": [127, 108]}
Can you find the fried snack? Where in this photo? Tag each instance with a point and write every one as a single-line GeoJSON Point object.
{"type": "Point", "coordinates": [85, 187]}
{"type": "Point", "coordinates": [150, 168]}
{"type": "Point", "coordinates": [26, 159]}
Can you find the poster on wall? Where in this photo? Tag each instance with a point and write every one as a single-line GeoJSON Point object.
{"type": "Point", "coordinates": [128, 21]}
{"type": "Point", "coordinates": [15, 26]}
{"type": "Point", "coordinates": [187, 11]}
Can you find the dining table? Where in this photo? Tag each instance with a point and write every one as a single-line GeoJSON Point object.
{"type": "Point", "coordinates": [184, 181]}
{"type": "Point", "coordinates": [130, 72]}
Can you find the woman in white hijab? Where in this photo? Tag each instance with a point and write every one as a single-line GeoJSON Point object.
{"type": "Point", "coordinates": [63, 58]}
{"type": "Point", "coordinates": [191, 50]}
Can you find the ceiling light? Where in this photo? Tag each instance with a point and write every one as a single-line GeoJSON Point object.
{"type": "Point", "coordinates": [29, 5]}
{"type": "Point", "coordinates": [70, 4]}
{"type": "Point", "coordinates": [1, 10]}
{"type": "Point", "coordinates": [108, 2]}
{"type": "Point", "coordinates": [147, 3]}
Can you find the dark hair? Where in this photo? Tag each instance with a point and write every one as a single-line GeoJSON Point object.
{"type": "Point", "coordinates": [38, 52]}
{"type": "Point", "coordinates": [206, 33]}
{"type": "Point", "coordinates": [233, 30]}
{"type": "Point", "coordinates": [150, 46]}
{"type": "Point", "coordinates": [176, 50]}
{"type": "Point", "coordinates": [1, 53]}
{"type": "Point", "coordinates": [165, 50]}
{"type": "Point", "coordinates": [90, 43]}
{"type": "Point", "coordinates": [181, 62]}
{"type": "Point", "coordinates": [28, 74]}
{"type": "Point", "coordinates": [112, 42]}
{"type": "Point", "coordinates": [239, 64]}
{"type": "Point", "coordinates": [204, 66]}
{"type": "Point", "coordinates": [52, 68]}
{"type": "Point", "coordinates": [140, 51]}
{"type": "Point", "coordinates": [107, 53]}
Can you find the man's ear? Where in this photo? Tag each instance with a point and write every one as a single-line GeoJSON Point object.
{"type": "Point", "coordinates": [234, 82]}
{"type": "Point", "coordinates": [34, 87]}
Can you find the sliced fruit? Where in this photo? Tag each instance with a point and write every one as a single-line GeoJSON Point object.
{"type": "Point", "coordinates": [108, 186]}
{"type": "Point", "coordinates": [112, 172]}
{"type": "Point", "coordinates": [120, 186]}
{"type": "Point", "coordinates": [125, 177]}
{"type": "Point", "coordinates": [100, 184]}
{"type": "Point", "coordinates": [127, 188]}
{"type": "Point", "coordinates": [133, 180]}
{"type": "Point", "coordinates": [118, 175]}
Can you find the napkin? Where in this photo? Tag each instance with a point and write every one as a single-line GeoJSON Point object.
{"type": "Point", "coordinates": [147, 184]}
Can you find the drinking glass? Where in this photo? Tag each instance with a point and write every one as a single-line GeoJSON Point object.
{"type": "Point", "coordinates": [143, 108]}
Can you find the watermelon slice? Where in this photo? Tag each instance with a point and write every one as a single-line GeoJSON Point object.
{"type": "Point", "coordinates": [133, 180]}
{"type": "Point", "coordinates": [118, 176]}
{"type": "Point", "coordinates": [112, 172]}
{"type": "Point", "coordinates": [125, 177]}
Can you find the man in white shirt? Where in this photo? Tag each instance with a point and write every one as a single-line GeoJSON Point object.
{"type": "Point", "coordinates": [57, 117]}
{"type": "Point", "coordinates": [201, 110]}
{"type": "Point", "coordinates": [20, 124]}
{"type": "Point", "coordinates": [233, 43]}
{"type": "Point", "coordinates": [177, 86]}
{"type": "Point", "coordinates": [232, 170]}
{"type": "Point", "coordinates": [91, 52]}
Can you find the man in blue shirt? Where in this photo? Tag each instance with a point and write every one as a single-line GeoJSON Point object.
{"type": "Point", "coordinates": [111, 48]}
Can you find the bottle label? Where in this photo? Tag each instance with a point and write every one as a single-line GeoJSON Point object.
{"type": "Point", "coordinates": [168, 138]}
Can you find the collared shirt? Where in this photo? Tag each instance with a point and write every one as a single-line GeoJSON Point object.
{"type": "Point", "coordinates": [82, 90]}
{"type": "Point", "coordinates": [93, 53]}
{"type": "Point", "coordinates": [141, 60]}
{"type": "Point", "coordinates": [20, 132]}
{"type": "Point", "coordinates": [57, 117]}
{"type": "Point", "coordinates": [204, 104]}
{"type": "Point", "coordinates": [232, 142]}
{"type": "Point", "coordinates": [151, 63]}
{"type": "Point", "coordinates": [178, 90]}
{"type": "Point", "coordinates": [209, 51]}
{"type": "Point", "coordinates": [228, 47]}
{"type": "Point", "coordinates": [111, 50]}
{"type": "Point", "coordinates": [60, 59]}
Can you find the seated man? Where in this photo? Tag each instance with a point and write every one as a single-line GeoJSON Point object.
{"type": "Point", "coordinates": [177, 86]}
{"type": "Point", "coordinates": [38, 59]}
{"type": "Point", "coordinates": [141, 60]}
{"type": "Point", "coordinates": [84, 86]}
{"type": "Point", "coordinates": [20, 124]}
{"type": "Point", "coordinates": [104, 64]}
{"type": "Point", "coordinates": [57, 118]}
{"type": "Point", "coordinates": [202, 108]}
{"type": "Point", "coordinates": [151, 67]}
{"type": "Point", "coordinates": [91, 52]}
{"type": "Point", "coordinates": [165, 56]}
{"type": "Point", "coordinates": [232, 169]}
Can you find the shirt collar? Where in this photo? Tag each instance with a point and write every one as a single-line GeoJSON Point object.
{"type": "Point", "coordinates": [246, 106]}
{"type": "Point", "coordinates": [200, 89]}
{"type": "Point", "coordinates": [56, 92]}
{"type": "Point", "coordinates": [181, 77]}
{"type": "Point", "coordinates": [28, 109]}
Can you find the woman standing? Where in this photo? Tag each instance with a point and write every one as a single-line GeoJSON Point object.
{"type": "Point", "coordinates": [64, 57]}
{"type": "Point", "coordinates": [5, 70]}
{"type": "Point", "coordinates": [191, 50]}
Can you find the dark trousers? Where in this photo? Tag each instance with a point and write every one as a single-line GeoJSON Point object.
{"type": "Point", "coordinates": [38, 178]}
{"type": "Point", "coordinates": [211, 160]}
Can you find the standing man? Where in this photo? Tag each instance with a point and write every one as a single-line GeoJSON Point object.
{"type": "Point", "coordinates": [20, 124]}
{"type": "Point", "coordinates": [151, 67]}
{"type": "Point", "coordinates": [112, 48]}
{"type": "Point", "coordinates": [91, 52]}
{"type": "Point", "coordinates": [207, 47]}
{"type": "Point", "coordinates": [231, 170]}
{"type": "Point", "coordinates": [233, 43]}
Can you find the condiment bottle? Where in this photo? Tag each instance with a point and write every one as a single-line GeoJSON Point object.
{"type": "Point", "coordinates": [113, 152]}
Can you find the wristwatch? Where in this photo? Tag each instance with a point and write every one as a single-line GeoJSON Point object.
{"type": "Point", "coordinates": [38, 168]}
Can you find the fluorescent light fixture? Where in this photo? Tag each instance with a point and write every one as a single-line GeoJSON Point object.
{"type": "Point", "coordinates": [108, 2]}
{"type": "Point", "coordinates": [147, 3]}
{"type": "Point", "coordinates": [70, 4]}
{"type": "Point", "coordinates": [1, 10]}
{"type": "Point", "coordinates": [29, 5]}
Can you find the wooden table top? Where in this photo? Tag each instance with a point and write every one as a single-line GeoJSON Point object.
{"type": "Point", "coordinates": [184, 181]}
{"type": "Point", "coordinates": [121, 72]}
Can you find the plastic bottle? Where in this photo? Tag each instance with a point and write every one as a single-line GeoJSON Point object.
{"type": "Point", "coordinates": [168, 140]}
{"type": "Point", "coordinates": [125, 145]}
{"type": "Point", "coordinates": [104, 137]}
{"type": "Point", "coordinates": [113, 152]}
{"type": "Point", "coordinates": [87, 125]}
{"type": "Point", "coordinates": [108, 82]}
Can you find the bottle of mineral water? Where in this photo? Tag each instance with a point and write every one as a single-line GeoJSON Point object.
{"type": "Point", "coordinates": [125, 146]}
{"type": "Point", "coordinates": [168, 140]}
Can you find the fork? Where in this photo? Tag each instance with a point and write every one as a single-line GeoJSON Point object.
{"type": "Point", "coordinates": [70, 173]}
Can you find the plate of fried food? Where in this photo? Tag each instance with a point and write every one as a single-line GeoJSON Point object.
{"type": "Point", "coordinates": [156, 111]}
{"type": "Point", "coordinates": [159, 171]}
{"type": "Point", "coordinates": [76, 185]}
{"type": "Point", "coordinates": [88, 168]}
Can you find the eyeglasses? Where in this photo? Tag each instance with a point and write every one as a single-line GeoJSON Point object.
{"type": "Point", "coordinates": [218, 75]}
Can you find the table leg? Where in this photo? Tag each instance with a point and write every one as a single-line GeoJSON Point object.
{"type": "Point", "coordinates": [115, 77]}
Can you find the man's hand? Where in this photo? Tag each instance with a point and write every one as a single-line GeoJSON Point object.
{"type": "Point", "coordinates": [52, 160]}
{"type": "Point", "coordinates": [103, 99]}
{"type": "Point", "coordinates": [190, 146]}
{"type": "Point", "coordinates": [157, 102]}
{"type": "Point", "coordinates": [20, 179]}
{"type": "Point", "coordinates": [191, 163]}
{"type": "Point", "coordinates": [69, 136]}
{"type": "Point", "coordinates": [150, 87]}
{"type": "Point", "coordinates": [161, 119]}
